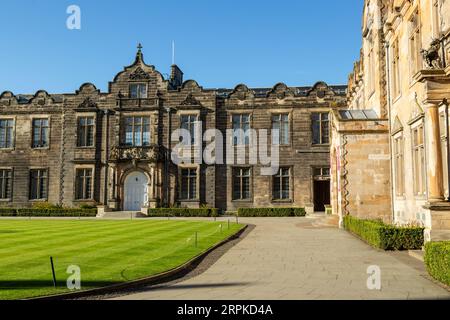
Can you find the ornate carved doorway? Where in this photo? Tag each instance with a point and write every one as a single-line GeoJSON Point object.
{"type": "Point", "coordinates": [136, 193]}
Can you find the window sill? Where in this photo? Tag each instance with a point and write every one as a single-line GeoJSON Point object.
{"type": "Point", "coordinates": [281, 201]}
{"type": "Point", "coordinates": [6, 200]}
{"type": "Point", "coordinates": [83, 200]}
{"type": "Point", "coordinates": [38, 200]}
{"type": "Point", "coordinates": [40, 148]}
{"type": "Point", "coordinates": [282, 145]}
{"type": "Point", "coordinates": [7, 149]}
{"type": "Point", "coordinates": [242, 201]}
{"type": "Point", "coordinates": [85, 148]}
{"type": "Point", "coordinates": [323, 145]}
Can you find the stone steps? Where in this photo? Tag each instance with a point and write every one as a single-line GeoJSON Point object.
{"type": "Point", "coordinates": [325, 220]}
{"type": "Point", "coordinates": [122, 215]}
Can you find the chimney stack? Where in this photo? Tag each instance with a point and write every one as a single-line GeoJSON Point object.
{"type": "Point", "coordinates": [176, 76]}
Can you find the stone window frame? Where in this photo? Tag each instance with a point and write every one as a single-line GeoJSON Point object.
{"type": "Point", "coordinates": [320, 144]}
{"type": "Point", "coordinates": [198, 140]}
{"type": "Point", "coordinates": [251, 187]}
{"type": "Point", "coordinates": [436, 18]}
{"type": "Point", "coordinates": [40, 117]}
{"type": "Point", "coordinates": [47, 184]}
{"type": "Point", "coordinates": [290, 114]}
{"type": "Point", "coordinates": [414, 42]}
{"type": "Point", "coordinates": [251, 127]}
{"type": "Point", "coordinates": [122, 131]}
{"type": "Point", "coordinates": [291, 186]}
{"type": "Point", "coordinates": [422, 193]}
{"type": "Point", "coordinates": [138, 83]}
{"type": "Point", "coordinates": [14, 119]}
{"type": "Point", "coordinates": [444, 142]}
{"type": "Point", "coordinates": [395, 69]}
{"type": "Point", "coordinates": [322, 176]}
{"type": "Point", "coordinates": [11, 196]}
{"type": "Point", "coordinates": [398, 158]}
{"type": "Point", "coordinates": [84, 167]}
{"type": "Point", "coordinates": [371, 63]}
{"type": "Point", "coordinates": [94, 133]}
{"type": "Point", "coordinates": [182, 167]}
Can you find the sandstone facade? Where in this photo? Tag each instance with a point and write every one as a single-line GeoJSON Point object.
{"type": "Point", "coordinates": [105, 147]}
{"type": "Point", "coordinates": [403, 76]}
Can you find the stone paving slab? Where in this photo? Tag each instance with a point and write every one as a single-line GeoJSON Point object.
{"type": "Point", "coordinates": [282, 259]}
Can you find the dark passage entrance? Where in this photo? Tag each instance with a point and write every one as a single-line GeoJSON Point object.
{"type": "Point", "coordinates": [321, 188]}
{"type": "Point", "coordinates": [321, 195]}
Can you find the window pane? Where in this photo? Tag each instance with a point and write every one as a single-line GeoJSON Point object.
{"type": "Point", "coordinates": [146, 138]}
{"type": "Point", "coordinates": [276, 188]}
{"type": "Point", "coordinates": [129, 132]}
{"type": "Point", "coordinates": [3, 142]}
{"type": "Point", "coordinates": [245, 187]}
{"type": "Point", "coordinates": [316, 132]}
{"type": "Point", "coordinates": [5, 184]}
{"type": "Point", "coordinates": [193, 188]}
{"type": "Point", "coordinates": [285, 187]}
{"type": "Point", "coordinates": [142, 91]}
{"type": "Point", "coordinates": [43, 186]}
{"type": "Point", "coordinates": [285, 131]}
{"type": "Point", "coordinates": [134, 91]}
{"type": "Point", "coordinates": [276, 133]}
{"type": "Point", "coordinates": [325, 132]}
{"type": "Point", "coordinates": [33, 185]}
{"type": "Point", "coordinates": [90, 136]}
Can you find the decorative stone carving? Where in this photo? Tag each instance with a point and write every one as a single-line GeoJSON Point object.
{"type": "Point", "coordinates": [139, 74]}
{"type": "Point", "coordinates": [150, 153]}
{"type": "Point", "coordinates": [190, 101]}
{"type": "Point", "coordinates": [431, 56]}
{"type": "Point", "coordinates": [88, 103]}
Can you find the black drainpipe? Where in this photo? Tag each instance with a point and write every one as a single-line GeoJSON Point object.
{"type": "Point", "coordinates": [447, 132]}
{"type": "Point", "coordinates": [389, 102]}
{"type": "Point", "coordinates": [167, 158]}
{"type": "Point", "coordinates": [105, 191]}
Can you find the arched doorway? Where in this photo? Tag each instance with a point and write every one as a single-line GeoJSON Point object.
{"type": "Point", "coordinates": [135, 188]}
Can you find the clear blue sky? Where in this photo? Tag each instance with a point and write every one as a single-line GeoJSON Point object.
{"type": "Point", "coordinates": [218, 43]}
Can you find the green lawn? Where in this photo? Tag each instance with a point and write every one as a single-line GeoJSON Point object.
{"type": "Point", "coordinates": [107, 252]}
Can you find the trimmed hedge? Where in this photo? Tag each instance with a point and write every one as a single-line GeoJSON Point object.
{"type": "Point", "coordinates": [437, 260]}
{"type": "Point", "coordinates": [183, 212]}
{"type": "Point", "coordinates": [271, 212]}
{"type": "Point", "coordinates": [386, 237]}
{"type": "Point", "coordinates": [54, 212]}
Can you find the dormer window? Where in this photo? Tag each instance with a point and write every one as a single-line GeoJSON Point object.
{"type": "Point", "coordinates": [138, 91]}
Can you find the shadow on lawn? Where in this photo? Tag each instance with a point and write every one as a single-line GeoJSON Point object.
{"type": "Point", "coordinates": [36, 284]}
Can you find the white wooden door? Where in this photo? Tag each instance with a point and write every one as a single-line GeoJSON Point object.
{"type": "Point", "coordinates": [135, 191]}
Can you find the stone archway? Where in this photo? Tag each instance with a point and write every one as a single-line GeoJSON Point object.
{"type": "Point", "coordinates": [135, 191]}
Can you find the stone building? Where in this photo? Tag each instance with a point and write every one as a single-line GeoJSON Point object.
{"type": "Point", "coordinates": [397, 103]}
{"type": "Point", "coordinates": [115, 149]}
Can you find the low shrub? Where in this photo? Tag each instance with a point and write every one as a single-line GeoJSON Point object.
{"type": "Point", "coordinates": [183, 212]}
{"type": "Point", "coordinates": [386, 237]}
{"type": "Point", "coordinates": [45, 206]}
{"type": "Point", "coordinates": [52, 212]}
{"type": "Point", "coordinates": [437, 260]}
{"type": "Point", "coordinates": [271, 212]}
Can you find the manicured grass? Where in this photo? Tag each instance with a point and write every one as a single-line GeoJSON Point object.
{"type": "Point", "coordinates": [108, 252]}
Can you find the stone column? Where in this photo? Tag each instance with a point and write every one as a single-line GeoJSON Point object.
{"type": "Point", "coordinates": [113, 187]}
{"type": "Point", "coordinates": [434, 154]}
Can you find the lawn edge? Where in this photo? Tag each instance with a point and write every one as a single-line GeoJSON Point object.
{"type": "Point", "coordinates": [152, 280]}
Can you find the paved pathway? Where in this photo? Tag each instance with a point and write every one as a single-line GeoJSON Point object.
{"type": "Point", "coordinates": [289, 258]}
